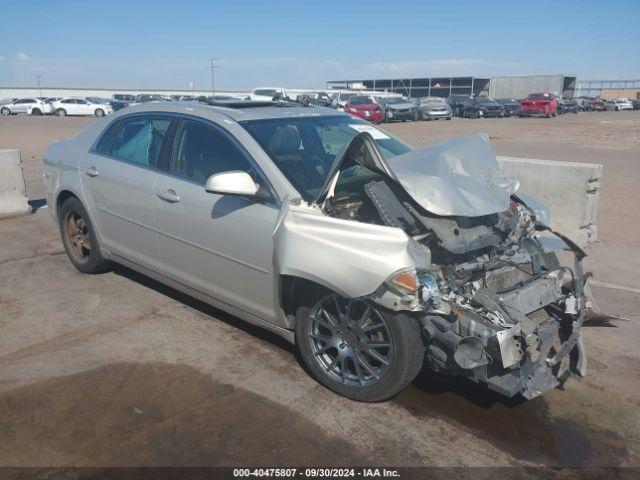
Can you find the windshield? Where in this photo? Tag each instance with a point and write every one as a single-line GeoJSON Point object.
{"type": "Point", "coordinates": [539, 96]}
{"type": "Point", "coordinates": [393, 100]}
{"type": "Point", "coordinates": [304, 149]}
{"type": "Point", "coordinates": [432, 100]}
{"type": "Point", "coordinates": [361, 101]}
{"type": "Point", "coordinates": [486, 101]}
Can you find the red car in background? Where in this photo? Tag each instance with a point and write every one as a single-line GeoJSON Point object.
{"type": "Point", "coordinates": [597, 105]}
{"type": "Point", "coordinates": [366, 108]}
{"type": "Point", "coordinates": [539, 104]}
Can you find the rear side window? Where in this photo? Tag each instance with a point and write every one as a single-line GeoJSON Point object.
{"type": "Point", "coordinates": [104, 145]}
{"type": "Point", "coordinates": [139, 139]}
{"type": "Point", "coordinates": [201, 151]}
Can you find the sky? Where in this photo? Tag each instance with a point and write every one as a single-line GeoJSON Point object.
{"type": "Point", "coordinates": [147, 44]}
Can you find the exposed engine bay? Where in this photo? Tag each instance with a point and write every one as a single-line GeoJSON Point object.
{"type": "Point", "coordinates": [495, 305]}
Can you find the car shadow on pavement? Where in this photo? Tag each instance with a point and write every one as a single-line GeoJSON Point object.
{"type": "Point", "coordinates": [525, 428]}
{"type": "Point", "coordinates": [206, 309]}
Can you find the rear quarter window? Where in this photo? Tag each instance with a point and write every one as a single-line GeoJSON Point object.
{"type": "Point", "coordinates": [105, 143]}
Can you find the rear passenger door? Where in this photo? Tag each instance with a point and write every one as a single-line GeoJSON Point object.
{"type": "Point", "coordinates": [83, 107]}
{"type": "Point", "coordinates": [218, 244]}
{"type": "Point", "coordinates": [118, 177]}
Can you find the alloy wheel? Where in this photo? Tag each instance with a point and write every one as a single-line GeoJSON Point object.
{"type": "Point", "coordinates": [78, 238]}
{"type": "Point", "coordinates": [350, 340]}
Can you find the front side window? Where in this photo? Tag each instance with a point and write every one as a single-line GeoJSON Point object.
{"type": "Point", "coordinates": [201, 151]}
{"type": "Point", "coordinates": [139, 139]}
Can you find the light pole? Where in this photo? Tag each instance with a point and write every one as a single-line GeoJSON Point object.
{"type": "Point", "coordinates": [213, 67]}
{"type": "Point", "coordinates": [39, 85]}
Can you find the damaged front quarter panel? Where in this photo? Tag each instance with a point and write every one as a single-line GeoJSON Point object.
{"type": "Point", "coordinates": [351, 258]}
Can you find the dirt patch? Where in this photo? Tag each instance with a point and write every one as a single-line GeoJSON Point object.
{"type": "Point", "coordinates": [156, 414]}
{"type": "Point", "coordinates": [523, 428]}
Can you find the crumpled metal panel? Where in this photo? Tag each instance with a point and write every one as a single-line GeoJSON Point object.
{"type": "Point", "coordinates": [458, 177]}
{"type": "Point", "coordinates": [351, 258]}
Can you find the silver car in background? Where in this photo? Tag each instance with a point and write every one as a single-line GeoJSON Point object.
{"type": "Point", "coordinates": [373, 258]}
{"type": "Point", "coordinates": [433, 108]}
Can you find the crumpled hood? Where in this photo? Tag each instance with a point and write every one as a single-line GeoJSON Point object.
{"type": "Point", "coordinates": [459, 177]}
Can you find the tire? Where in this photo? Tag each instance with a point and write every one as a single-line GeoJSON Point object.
{"type": "Point", "coordinates": [79, 238]}
{"type": "Point", "coordinates": [5, 111]}
{"type": "Point", "coordinates": [448, 118]}
{"type": "Point", "coordinates": [61, 112]}
{"type": "Point", "coordinates": [356, 373]}
{"type": "Point", "coordinates": [36, 112]}
{"type": "Point", "coordinates": [416, 116]}
{"type": "Point", "coordinates": [99, 112]}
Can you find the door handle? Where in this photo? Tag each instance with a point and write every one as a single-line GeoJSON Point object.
{"type": "Point", "coordinates": [92, 172]}
{"type": "Point", "coordinates": [169, 196]}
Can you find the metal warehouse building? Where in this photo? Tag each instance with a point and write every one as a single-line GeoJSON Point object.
{"type": "Point", "coordinates": [496, 87]}
{"type": "Point", "coordinates": [519, 87]}
{"type": "Point", "coordinates": [420, 87]}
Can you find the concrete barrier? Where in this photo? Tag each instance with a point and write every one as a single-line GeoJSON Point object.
{"type": "Point", "coordinates": [13, 192]}
{"type": "Point", "coordinates": [569, 189]}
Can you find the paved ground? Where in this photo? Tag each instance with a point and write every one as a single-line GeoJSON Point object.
{"type": "Point", "coordinates": [116, 369]}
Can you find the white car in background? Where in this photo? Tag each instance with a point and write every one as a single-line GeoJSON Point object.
{"type": "Point", "coordinates": [80, 106]}
{"type": "Point", "coordinates": [43, 107]}
{"type": "Point", "coordinates": [266, 94]}
{"type": "Point", "coordinates": [24, 105]}
{"type": "Point", "coordinates": [621, 104]}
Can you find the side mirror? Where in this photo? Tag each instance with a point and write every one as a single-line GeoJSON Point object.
{"type": "Point", "coordinates": [232, 183]}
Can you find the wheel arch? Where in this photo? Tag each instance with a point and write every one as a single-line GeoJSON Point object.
{"type": "Point", "coordinates": [62, 196]}
{"type": "Point", "coordinates": [293, 291]}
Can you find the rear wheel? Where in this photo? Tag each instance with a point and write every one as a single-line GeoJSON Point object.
{"type": "Point", "coordinates": [61, 112]}
{"type": "Point", "coordinates": [356, 349]}
{"type": "Point", "coordinates": [79, 239]}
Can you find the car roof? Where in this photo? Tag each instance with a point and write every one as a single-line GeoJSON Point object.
{"type": "Point", "coordinates": [258, 112]}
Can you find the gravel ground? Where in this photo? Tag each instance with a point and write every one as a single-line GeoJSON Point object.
{"type": "Point", "coordinates": [116, 369]}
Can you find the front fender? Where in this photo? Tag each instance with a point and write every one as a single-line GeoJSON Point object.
{"type": "Point", "coordinates": [351, 258]}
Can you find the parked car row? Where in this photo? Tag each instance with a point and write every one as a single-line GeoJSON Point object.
{"type": "Point", "coordinates": [58, 106]}
{"type": "Point", "coordinates": [392, 109]}
{"type": "Point", "coordinates": [376, 107]}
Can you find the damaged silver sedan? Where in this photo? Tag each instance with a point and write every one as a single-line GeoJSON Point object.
{"type": "Point", "coordinates": [375, 259]}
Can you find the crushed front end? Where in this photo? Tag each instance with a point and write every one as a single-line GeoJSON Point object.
{"type": "Point", "coordinates": [509, 316]}
{"type": "Point", "coordinates": [502, 299]}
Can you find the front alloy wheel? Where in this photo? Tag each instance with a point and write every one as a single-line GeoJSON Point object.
{"type": "Point", "coordinates": [356, 349]}
{"type": "Point", "coordinates": [350, 341]}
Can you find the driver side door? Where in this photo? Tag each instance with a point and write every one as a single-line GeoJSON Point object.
{"type": "Point", "coordinates": [218, 244]}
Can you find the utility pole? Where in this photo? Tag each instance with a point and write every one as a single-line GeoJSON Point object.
{"type": "Point", "coordinates": [213, 67]}
{"type": "Point", "coordinates": [39, 85]}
